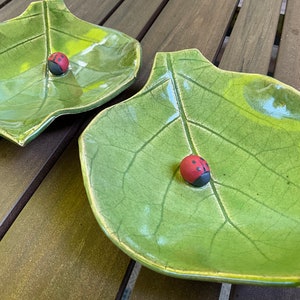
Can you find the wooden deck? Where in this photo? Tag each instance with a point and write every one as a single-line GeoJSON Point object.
{"type": "Point", "coordinates": [52, 246]}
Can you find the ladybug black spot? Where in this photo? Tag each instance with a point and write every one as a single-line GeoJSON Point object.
{"type": "Point", "coordinates": [193, 161]}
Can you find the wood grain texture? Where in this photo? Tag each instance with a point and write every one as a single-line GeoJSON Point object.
{"type": "Point", "coordinates": [13, 9]}
{"type": "Point", "coordinates": [245, 292]}
{"type": "Point", "coordinates": [288, 61]}
{"type": "Point", "coordinates": [153, 286]}
{"type": "Point", "coordinates": [187, 24]}
{"type": "Point", "coordinates": [135, 18]}
{"type": "Point", "coordinates": [251, 41]}
{"type": "Point", "coordinates": [22, 169]}
{"type": "Point", "coordinates": [55, 249]}
{"type": "Point", "coordinates": [130, 17]}
{"type": "Point", "coordinates": [94, 11]}
{"type": "Point", "coordinates": [192, 24]}
{"type": "Point", "coordinates": [3, 2]}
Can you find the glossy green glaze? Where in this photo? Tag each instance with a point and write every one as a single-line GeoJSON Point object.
{"type": "Point", "coordinates": [243, 226]}
{"type": "Point", "coordinates": [103, 62]}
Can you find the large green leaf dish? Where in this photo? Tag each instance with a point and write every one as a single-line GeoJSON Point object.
{"type": "Point", "coordinates": [103, 62]}
{"type": "Point", "coordinates": [244, 225]}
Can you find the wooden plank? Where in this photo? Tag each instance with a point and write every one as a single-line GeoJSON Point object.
{"type": "Point", "coordinates": [193, 24]}
{"type": "Point", "coordinates": [131, 15]}
{"type": "Point", "coordinates": [225, 291]}
{"type": "Point", "coordinates": [94, 11]}
{"type": "Point", "coordinates": [135, 18]}
{"type": "Point", "coordinates": [187, 24]}
{"type": "Point", "coordinates": [288, 61]}
{"type": "Point", "coordinates": [251, 41]}
{"type": "Point", "coordinates": [55, 249]}
{"type": "Point", "coordinates": [3, 2]}
{"type": "Point", "coordinates": [13, 9]}
{"type": "Point", "coordinates": [22, 169]}
{"type": "Point", "coordinates": [264, 293]}
{"type": "Point", "coordinates": [153, 286]}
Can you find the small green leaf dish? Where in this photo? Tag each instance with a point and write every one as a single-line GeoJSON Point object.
{"type": "Point", "coordinates": [244, 225]}
{"type": "Point", "coordinates": [103, 62]}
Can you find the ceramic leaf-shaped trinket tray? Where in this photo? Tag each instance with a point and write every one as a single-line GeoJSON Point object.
{"type": "Point", "coordinates": [103, 62]}
{"type": "Point", "coordinates": [244, 225]}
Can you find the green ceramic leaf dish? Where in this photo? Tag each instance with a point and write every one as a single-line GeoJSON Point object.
{"type": "Point", "coordinates": [103, 62]}
{"type": "Point", "coordinates": [244, 226]}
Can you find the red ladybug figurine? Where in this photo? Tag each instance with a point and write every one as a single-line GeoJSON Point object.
{"type": "Point", "coordinates": [58, 63]}
{"type": "Point", "coordinates": [195, 170]}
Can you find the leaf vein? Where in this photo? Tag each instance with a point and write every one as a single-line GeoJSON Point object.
{"type": "Point", "coordinates": [244, 150]}
{"type": "Point", "coordinates": [145, 144]}
{"type": "Point", "coordinates": [23, 42]}
{"type": "Point", "coordinates": [231, 222]}
{"type": "Point", "coordinates": [81, 38]}
{"type": "Point", "coordinates": [257, 201]}
{"type": "Point", "coordinates": [224, 98]}
{"type": "Point", "coordinates": [164, 198]}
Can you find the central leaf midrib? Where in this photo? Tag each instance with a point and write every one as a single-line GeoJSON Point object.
{"type": "Point", "coordinates": [48, 48]}
{"type": "Point", "coordinates": [46, 27]}
{"type": "Point", "coordinates": [180, 106]}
